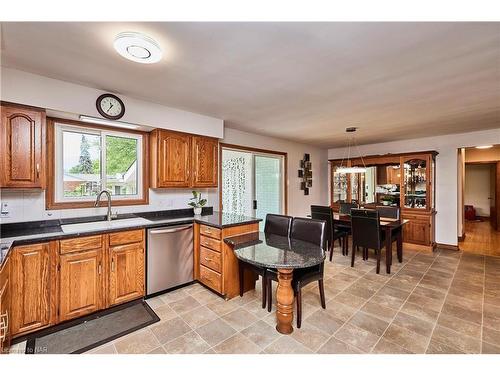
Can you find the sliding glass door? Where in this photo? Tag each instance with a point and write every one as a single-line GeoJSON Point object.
{"type": "Point", "coordinates": [252, 183]}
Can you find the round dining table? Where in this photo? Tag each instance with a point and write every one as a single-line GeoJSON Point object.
{"type": "Point", "coordinates": [283, 254]}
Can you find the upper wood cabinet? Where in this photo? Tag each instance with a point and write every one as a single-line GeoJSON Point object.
{"type": "Point", "coordinates": [30, 284]}
{"type": "Point", "coordinates": [80, 280]}
{"type": "Point", "coordinates": [183, 160]}
{"type": "Point", "coordinates": [22, 137]}
{"type": "Point", "coordinates": [205, 161]}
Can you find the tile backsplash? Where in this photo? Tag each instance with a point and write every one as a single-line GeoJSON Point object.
{"type": "Point", "coordinates": [29, 205]}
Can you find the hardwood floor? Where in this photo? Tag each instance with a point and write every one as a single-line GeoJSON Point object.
{"type": "Point", "coordinates": [480, 238]}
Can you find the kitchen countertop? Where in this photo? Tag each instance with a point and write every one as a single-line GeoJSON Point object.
{"type": "Point", "coordinates": [36, 231]}
{"type": "Point", "coordinates": [273, 251]}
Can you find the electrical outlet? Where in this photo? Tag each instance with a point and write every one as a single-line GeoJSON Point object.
{"type": "Point", "coordinates": [5, 210]}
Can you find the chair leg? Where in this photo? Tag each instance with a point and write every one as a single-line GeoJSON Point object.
{"type": "Point", "coordinates": [242, 277]}
{"type": "Point", "coordinates": [299, 306]}
{"type": "Point", "coordinates": [378, 260]}
{"type": "Point", "coordinates": [340, 241]}
{"type": "Point", "coordinates": [352, 257]}
{"type": "Point", "coordinates": [331, 250]}
{"type": "Point", "coordinates": [264, 290]}
{"type": "Point", "coordinates": [365, 253]}
{"type": "Point", "coordinates": [322, 293]}
{"type": "Point", "coordinates": [346, 240]}
{"type": "Point", "coordinates": [269, 294]}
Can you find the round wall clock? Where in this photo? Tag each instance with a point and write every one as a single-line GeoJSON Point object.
{"type": "Point", "coordinates": [110, 106]}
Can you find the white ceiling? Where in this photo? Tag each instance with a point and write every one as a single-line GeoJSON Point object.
{"type": "Point", "coordinates": [301, 81]}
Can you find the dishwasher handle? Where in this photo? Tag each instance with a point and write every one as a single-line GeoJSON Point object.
{"type": "Point", "coordinates": [173, 230]}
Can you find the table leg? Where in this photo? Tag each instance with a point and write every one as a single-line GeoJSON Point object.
{"type": "Point", "coordinates": [388, 249]}
{"type": "Point", "coordinates": [284, 301]}
{"type": "Point", "coordinates": [400, 246]}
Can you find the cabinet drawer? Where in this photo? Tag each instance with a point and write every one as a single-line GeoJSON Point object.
{"type": "Point", "coordinates": [210, 243]}
{"type": "Point", "coordinates": [210, 231]}
{"type": "Point", "coordinates": [123, 238]}
{"type": "Point", "coordinates": [211, 259]}
{"type": "Point", "coordinates": [74, 245]}
{"type": "Point", "coordinates": [211, 278]}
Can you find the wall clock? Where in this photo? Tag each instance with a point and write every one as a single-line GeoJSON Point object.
{"type": "Point", "coordinates": [110, 106]}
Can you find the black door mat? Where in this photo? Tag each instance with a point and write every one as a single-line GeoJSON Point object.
{"type": "Point", "coordinates": [84, 334]}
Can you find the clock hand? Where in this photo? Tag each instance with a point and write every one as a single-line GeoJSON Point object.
{"type": "Point", "coordinates": [111, 105]}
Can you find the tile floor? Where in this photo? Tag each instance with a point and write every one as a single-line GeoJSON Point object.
{"type": "Point", "coordinates": [444, 302]}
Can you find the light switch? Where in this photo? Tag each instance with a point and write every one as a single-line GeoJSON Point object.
{"type": "Point", "coordinates": [5, 210]}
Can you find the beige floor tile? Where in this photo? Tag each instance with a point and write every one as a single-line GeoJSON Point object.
{"type": "Point", "coordinates": [420, 311]}
{"type": "Point", "coordinates": [205, 296]}
{"type": "Point", "coordinates": [173, 296]}
{"type": "Point", "coordinates": [199, 317]}
{"type": "Point", "coordinates": [491, 315]}
{"type": "Point", "coordinates": [414, 324]}
{"type": "Point", "coordinates": [349, 300]}
{"type": "Point", "coordinates": [170, 330]}
{"type": "Point", "coordinates": [369, 323]}
{"type": "Point", "coordinates": [405, 338]}
{"type": "Point", "coordinates": [379, 311]}
{"type": "Point", "coordinates": [488, 348]}
{"type": "Point", "coordinates": [357, 337]}
{"type": "Point", "coordinates": [340, 311]}
{"type": "Point", "coordinates": [261, 333]}
{"type": "Point", "coordinates": [103, 349]}
{"type": "Point", "coordinates": [454, 339]}
{"type": "Point", "coordinates": [155, 302]}
{"type": "Point", "coordinates": [491, 336]}
{"type": "Point", "coordinates": [310, 336]}
{"type": "Point", "coordinates": [237, 344]}
{"type": "Point", "coordinates": [222, 307]}
{"type": "Point", "coordinates": [437, 347]}
{"type": "Point", "coordinates": [461, 326]}
{"type": "Point", "coordinates": [215, 332]}
{"type": "Point", "coordinates": [240, 319]}
{"type": "Point", "coordinates": [158, 350]}
{"type": "Point", "coordinates": [189, 343]}
{"type": "Point", "coordinates": [387, 347]}
{"type": "Point", "coordinates": [286, 345]}
{"type": "Point", "coordinates": [324, 322]}
{"type": "Point", "coordinates": [165, 312]}
{"type": "Point", "coordinates": [335, 346]}
{"type": "Point", "coordinates": [140, 342]}
{"type": "Point", "coordinates": [184, 305]}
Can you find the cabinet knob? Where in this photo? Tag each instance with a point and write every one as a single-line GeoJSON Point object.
{"type": "Point", "coordinates": [37, 170]}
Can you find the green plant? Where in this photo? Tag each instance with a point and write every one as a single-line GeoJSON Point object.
{"type": "Point", "coordinates": [196, 200]}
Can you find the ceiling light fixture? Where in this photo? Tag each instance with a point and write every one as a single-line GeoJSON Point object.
{"type": "Point", "coordinates": [344, 169]}
{"type": "Point", "coordinates": [484, 147]}
{"type": "Point", "coordinates": [101, 121]}
{"type": "Point", "coordinates": [138, 47]}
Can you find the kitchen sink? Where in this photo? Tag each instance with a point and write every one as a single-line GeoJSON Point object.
{"type": "Point", "coordinates": [104, 225]}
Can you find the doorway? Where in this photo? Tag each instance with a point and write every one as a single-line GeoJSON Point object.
{"type": "Point", "coordinates": [253, 182]}
{"type": "Point", "coordinates": [481, 201]}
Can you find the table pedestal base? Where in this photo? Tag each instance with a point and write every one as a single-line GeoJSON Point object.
{"type": "Point", "coordinates": [284, 301]}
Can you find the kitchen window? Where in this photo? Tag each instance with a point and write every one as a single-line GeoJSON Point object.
{"type": "Point", "coordinates": [90, 159]}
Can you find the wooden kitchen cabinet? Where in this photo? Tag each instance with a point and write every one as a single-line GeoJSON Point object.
{"type": "Point", "coordinates": [5, 311]}
{"type": "Point", "coordinates": [205, 165]}
{"type": "Point", "coordinates": [81, 283]}
{"type": "Point", "coordinates": [30, 286]}
{"type": "Point", "coordinates": [180, 160]}
{"type": "Point", "coordinates": [126, 267]}
{"type": "Point", "coordinates": [170, 159]}
{"type": "Point", "coordinates": [22, 139]}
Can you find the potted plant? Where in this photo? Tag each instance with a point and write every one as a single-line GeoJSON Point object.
{"type": "Point", "coordinates": [197, 202]}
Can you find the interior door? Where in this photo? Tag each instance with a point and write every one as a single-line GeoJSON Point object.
{"type": "Point", "coordinates": [494, 195]}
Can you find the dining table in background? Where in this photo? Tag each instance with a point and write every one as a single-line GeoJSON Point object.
{"type": "Point", "coordinates": [284, 254]}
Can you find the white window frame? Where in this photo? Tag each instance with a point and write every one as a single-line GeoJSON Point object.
{"type": "Point", "coordinates": [58, 156]}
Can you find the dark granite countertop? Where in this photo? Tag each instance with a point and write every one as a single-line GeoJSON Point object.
{"type": "Point", "coordinates": [272, 251]}
{"type": "Point", "coordinates": [36, 231]}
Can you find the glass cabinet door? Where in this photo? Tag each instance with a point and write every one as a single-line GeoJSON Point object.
{"type": "Point", "coordinates": [355, 193]}
{"type": "Point", "coordinates": [415, 183]}
{"type": "Point", "coordinates": [339, 187]}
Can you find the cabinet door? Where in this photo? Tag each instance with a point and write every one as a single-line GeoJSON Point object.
{"type": "Point", "coordinates": [205, 165]}
{"type": "Point", "coordinates": [30, 277]}
{"type": "Point", "coordinates": [126, 277]}
{"type": "Point", "coordinates": [80, 283]}
{"type": "Point", "coordinates": [21, 134]}
{"type": "Point", "coordinates": [5, 308]}
{"type": "Point", "coordinates": [173, 157]}
{"type": "Point", "coordinates": [417, 231]}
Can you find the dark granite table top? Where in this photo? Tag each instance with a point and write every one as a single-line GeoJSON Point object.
{"type": "Point", "coordinates": [272, 251]}
{"type": "Point", "coordinates": [37, 231]}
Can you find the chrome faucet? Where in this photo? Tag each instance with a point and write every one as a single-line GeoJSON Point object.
{"type": "Point", "coordinates": [108, 195]}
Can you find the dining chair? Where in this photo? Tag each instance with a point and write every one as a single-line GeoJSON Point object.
{"type": "Point", "coordinates": [388, 211]}
{"type": "Point", "coordinates": [312, 231]}
{"type": "Point", "coordinates": [345, 209]}
{"type": "Point", "coordinates": [332, 233]}
{"type": "Point", "coordinates": [275, 224]}
{"type": "Point", "coordinates": [366, 233]}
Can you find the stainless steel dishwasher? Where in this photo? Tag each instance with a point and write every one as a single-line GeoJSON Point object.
{"type": "Point", "coordinates": [169, 257]}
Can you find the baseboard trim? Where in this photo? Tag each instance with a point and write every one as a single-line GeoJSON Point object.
{"type": "Point", "coordinates": [461, 238]}
{"type": "Point", "coordinates": [446, 246]}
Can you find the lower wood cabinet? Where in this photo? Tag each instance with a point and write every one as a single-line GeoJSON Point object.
{"type": "Point", "coordinates": [80, 283]}
{"type": "Point", "coordinates": [126, 276]}
{"type": "Point", "coordinates": [5, 311]}
{"type": "Point", "coordinates": [418, 229]}
{"type": "Point", "coordinates": [30, 278]}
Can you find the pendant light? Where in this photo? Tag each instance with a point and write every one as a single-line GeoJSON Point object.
{"type": "Point", "coordinates": [344, 169]}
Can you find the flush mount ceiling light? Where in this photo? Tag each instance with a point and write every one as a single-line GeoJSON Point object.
{"type": "Point", "coordinates": [137, 47]}
{"type": "Point", "coordinates": [484, 147]}
{"type": "Point", "coordinates": [344, 169]}
{"type": "Point", "coordinates": [101, 121]}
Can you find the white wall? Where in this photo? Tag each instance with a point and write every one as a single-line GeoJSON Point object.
{"type": "Point", "coordinates": [298, 203]}
{"type": "Point", "coordinates": [446, 171]}
{"type": "Point", "coordinates": [39, 91]}
{"type": "Point", "coordinates": [477, 188]}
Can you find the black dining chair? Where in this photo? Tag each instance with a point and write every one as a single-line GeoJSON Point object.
{"type": "Point", "coordinates": [345, 209]}
{"type": "Point", "coordinates": [388, 211]}
{"type": "Point", "coordinates": [275, 224]}
{"type": "Point", "coordinates": [312, 231]}
{"type": "Point", "coordinates": [332, 233]}
{"type": "Point", "coordinates": [366, 233]}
